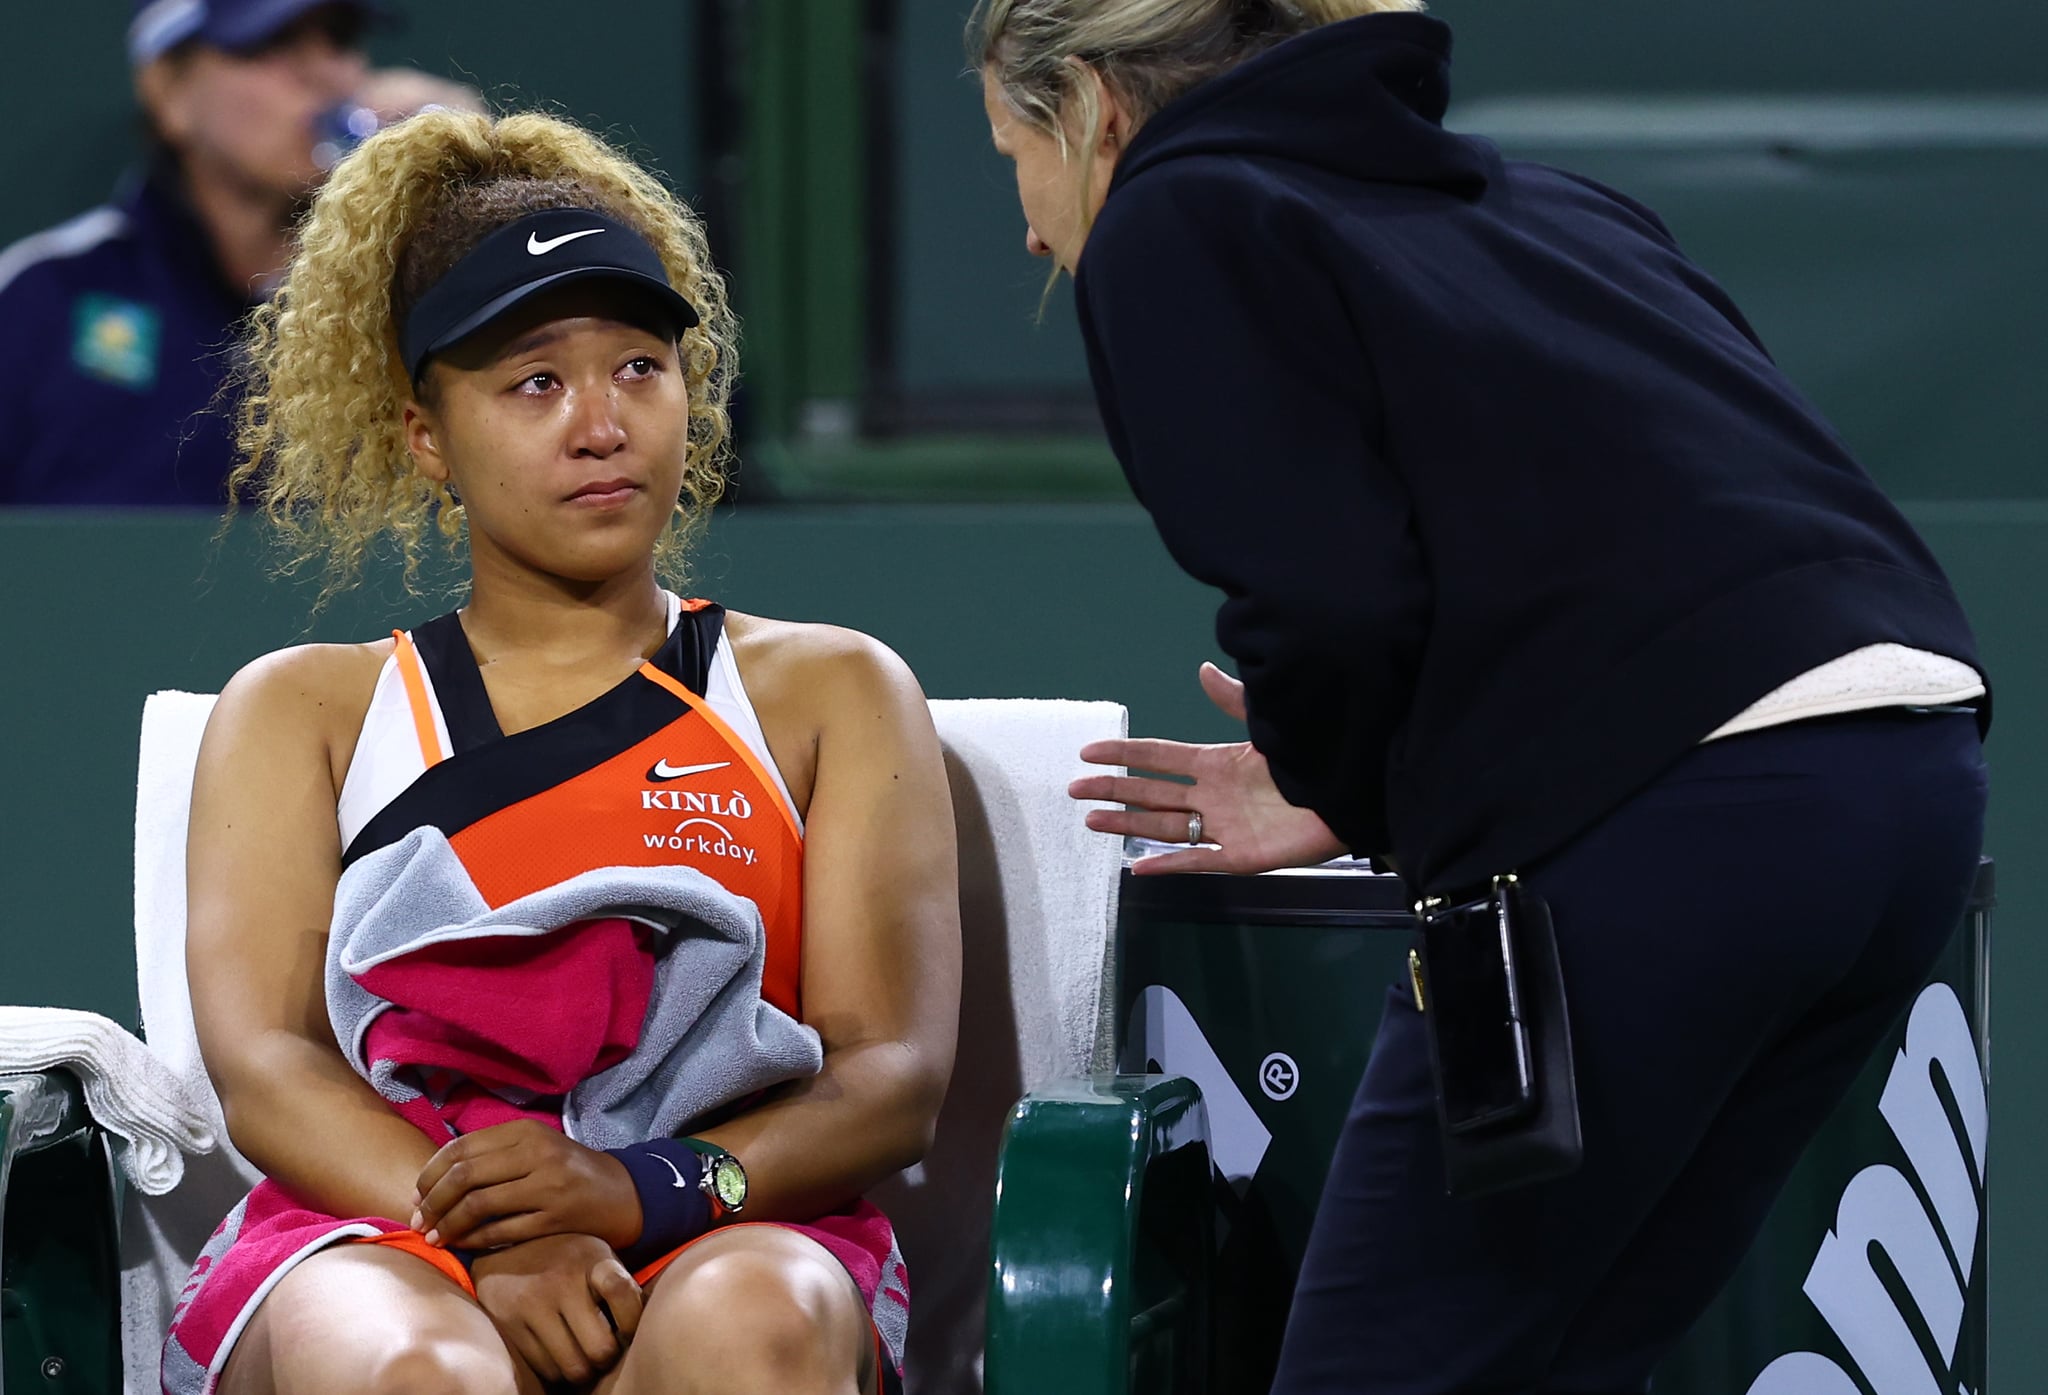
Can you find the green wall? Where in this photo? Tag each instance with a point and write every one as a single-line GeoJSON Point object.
{"type": "Point", "coordinates": [963, 274]}
{"type": "Point", "coordinates": [1054, 601]}
{"type": "Point", "coordinates": [1746, 46]}
{"type": "Point", "coordinates": [1872, 193]}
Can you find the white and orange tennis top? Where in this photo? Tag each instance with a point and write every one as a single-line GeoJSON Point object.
{"type": "Point", "coordinates": [669, 766]}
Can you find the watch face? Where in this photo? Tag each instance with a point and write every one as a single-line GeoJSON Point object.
{"type": "Point", "coordinates": [729, 1180]}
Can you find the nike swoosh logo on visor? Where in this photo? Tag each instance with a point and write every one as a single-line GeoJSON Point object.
{"type": "Point", "coordinates": [664, 771]}
{"type": "Point", "coordinates": [535, 246]}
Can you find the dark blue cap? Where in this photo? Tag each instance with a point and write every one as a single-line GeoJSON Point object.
{"type": "Point", "coordinates": [522, 259]}
{"type": "Point", "coordinates": [161, 25]}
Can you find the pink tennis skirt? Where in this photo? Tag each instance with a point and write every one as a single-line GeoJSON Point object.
{"type": "Point", "coordinates": [270, 1232]}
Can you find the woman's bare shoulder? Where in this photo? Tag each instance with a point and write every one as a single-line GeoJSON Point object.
{"type": "Point", "coordinates": [309, 675]}
{"type": "Point", "coordinates": [305, 693]}
{"type": "Point", "coordinates": [800, 656]}
{"type": "Point", "coordinates": [813, 685]}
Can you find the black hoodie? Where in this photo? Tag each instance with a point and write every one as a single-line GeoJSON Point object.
{"type": "Point", "coordinates": [1508, 505]}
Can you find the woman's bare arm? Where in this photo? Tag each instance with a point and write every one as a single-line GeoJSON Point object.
{"type": "Point", "coordinates": [261, 867]}
{"type": "Point", "coordinates": [881, 957]}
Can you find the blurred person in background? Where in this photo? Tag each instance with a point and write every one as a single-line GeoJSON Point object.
{"type": "Point", "coordinates": [115, 326]}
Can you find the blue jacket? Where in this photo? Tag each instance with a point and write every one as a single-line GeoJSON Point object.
{"type": "Point", "coordinates": [115, 330]}
{"type": "Point", "coordinates": [1508, 505]}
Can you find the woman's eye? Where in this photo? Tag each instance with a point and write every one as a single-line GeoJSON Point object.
{"type": "Point", "coordinates": [536, 382]}
{"type": "Point", "coordinates": [641, 367]}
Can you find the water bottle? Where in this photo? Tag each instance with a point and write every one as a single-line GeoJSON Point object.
{"type": "Point", "coordinates": [339, 130]}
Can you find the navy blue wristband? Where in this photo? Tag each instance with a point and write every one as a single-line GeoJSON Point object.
{"type": "Point", "coordinates": [668, 1174]}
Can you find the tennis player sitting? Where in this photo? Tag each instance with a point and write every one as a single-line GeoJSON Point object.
{"type": "Point", "coordinates": [570, 964]}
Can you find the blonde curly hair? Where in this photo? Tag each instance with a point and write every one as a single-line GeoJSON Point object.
{"type": "Point", "coordinates": [323, 388]}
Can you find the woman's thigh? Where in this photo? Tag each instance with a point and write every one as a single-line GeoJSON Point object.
{"type": "Point", "coordinates": [367, 1318]}
{"type": "Point", "coordinates": [752, 1307]}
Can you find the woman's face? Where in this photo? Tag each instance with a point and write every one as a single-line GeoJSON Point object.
{"type": "Point", "coordinates": [564, 428]}
{"type": "Point", "coordinates": [1048, 183]}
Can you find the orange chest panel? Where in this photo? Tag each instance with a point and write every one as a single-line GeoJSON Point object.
{"type": "Point", "coordinates": [683, 796]}
{"type": "Point", "coordinates": [649, 774]}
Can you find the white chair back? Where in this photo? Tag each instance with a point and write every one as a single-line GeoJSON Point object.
{"type": "Point", "coordinates": [1038, 910]}
{"type": "Point", "coordinates": [1037, 913]}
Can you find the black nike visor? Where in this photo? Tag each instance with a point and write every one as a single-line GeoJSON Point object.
{"type": "Point", "coordinates": [520, 260]}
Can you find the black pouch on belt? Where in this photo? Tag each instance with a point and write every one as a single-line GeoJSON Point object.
{"type": "Point", "coordinates": [1490, 990]}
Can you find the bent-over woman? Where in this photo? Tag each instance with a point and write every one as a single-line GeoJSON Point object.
{"type": "Point", "coordinates": [1533, 565]}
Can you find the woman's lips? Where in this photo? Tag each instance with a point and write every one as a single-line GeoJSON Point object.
{"type": "Point", "coordinates": [604, 492]}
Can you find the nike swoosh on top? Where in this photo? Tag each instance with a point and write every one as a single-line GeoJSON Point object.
{"type": "Point", "coordinates": [672, 1168]}
{"type": "Point", "coordinates": [535, 246]}
{"type": "Point", "coordinates": [664, 771]}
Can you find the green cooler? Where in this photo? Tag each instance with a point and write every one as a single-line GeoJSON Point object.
{"type": "Point", "coordinates": [1267, 991]}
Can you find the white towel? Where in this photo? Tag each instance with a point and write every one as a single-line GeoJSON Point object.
{"type": "Point", "coordinates": [1057, 879]}
{"type": "Point", "coordinates": [131, 1094]}
{"type": "Point", "coordinates": [172, 724]}
{"type": "Point", "coordinates": [1038, 911]}
{"type": "Point", "coordinates": [161, 1236]}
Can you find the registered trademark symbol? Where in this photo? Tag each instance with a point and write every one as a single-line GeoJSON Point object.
{"type": "Point", "coordinates": [1279, 1076]}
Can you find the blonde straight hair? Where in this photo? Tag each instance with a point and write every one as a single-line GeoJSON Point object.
{"type": "Point", "coordinates": [1149, 52]}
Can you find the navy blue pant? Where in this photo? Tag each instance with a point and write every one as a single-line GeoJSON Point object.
{"type": "Point", "coordinates": [1736, 940]}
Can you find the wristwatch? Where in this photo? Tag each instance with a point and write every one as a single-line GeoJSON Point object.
{"type": "Point", "coordinates": [722, 1179]}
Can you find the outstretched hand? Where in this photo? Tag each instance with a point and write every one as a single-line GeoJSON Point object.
{"type": "Point", "coordinates": [1246, 825]}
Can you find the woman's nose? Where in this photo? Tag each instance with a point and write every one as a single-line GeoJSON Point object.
{"type": "Point", "coordinates": [594, 425]}
{"type": "Point", "coordinates": [1034, 244]}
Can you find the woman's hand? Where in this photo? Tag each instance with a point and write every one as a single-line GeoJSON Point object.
{"type": "Point", "coordinates": [518, 1181]}
{"type": "Point", "coordinates": [1242, 813]}
{"type": "Point", "coordinates": [544, 1297]}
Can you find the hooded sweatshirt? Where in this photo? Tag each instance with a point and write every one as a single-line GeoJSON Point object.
{"type": "Point", "coordinates": [1508, 504]}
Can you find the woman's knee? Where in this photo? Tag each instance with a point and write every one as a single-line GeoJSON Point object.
{"type": "Point", "coordinates": [411, 1363]}
{"type": "Point", "coordinates": [357, 1318]}
{"type": "Point", "coordinates": [784, 1319]}
{"type": "Point", "coordinates": [427, 1363]}
{"type": "Point", "coordinates": [418, 1361]}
